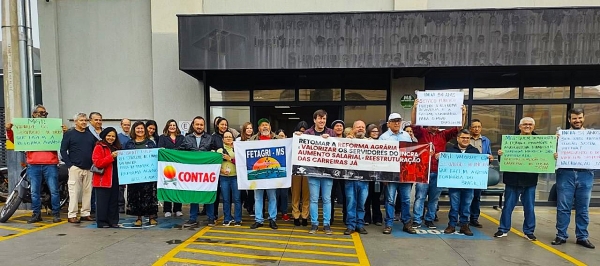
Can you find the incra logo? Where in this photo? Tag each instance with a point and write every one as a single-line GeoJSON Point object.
{"type": "Point", "coordinates": [189, 177]}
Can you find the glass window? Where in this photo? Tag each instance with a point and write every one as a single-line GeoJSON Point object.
{"type": "Point", "coordinates": [229, 96]}
{"type": "Point", "coordinates": [546, 92]}
{"type": "Point", "coordinates": [592, 116]}
{"type": "Point", "coordinates": [320, 94]}
{"type": "Point", "coordinates": [496, 120]}
{"type": "Point", "coordinates": [235, 115]}
{"type": "Point", "coordinates": [365, 95]}
{"type": "Point", "coordinates": [548, 117]}
{"type": "Point", "coordinates": [495, 93]}
{"type": "Point", "coordinates": [274, 95]}
{"type": "Point", "coordinates": [587, 91]}
{"type": "Point", "coordinates": [371, 114]}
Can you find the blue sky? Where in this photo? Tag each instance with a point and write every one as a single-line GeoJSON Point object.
{"type": "Point", "coordinates": [34, 18]}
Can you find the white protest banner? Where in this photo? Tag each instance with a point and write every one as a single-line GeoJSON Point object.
{"type": "Point", "coordinates": [360, 159]}
{"type": "Point", "coordinates": [263, 164]}
{"type": "Point", "coordinates": [463, 170]}
{"type": "Point", "coordinates": [439, 108]}
{"type": "Point", "coordinates": [578, 149]}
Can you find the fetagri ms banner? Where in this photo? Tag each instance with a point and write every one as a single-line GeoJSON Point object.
{"type": "Point", "coordinates": [264, 164]}
{"type": "Point", "coordinates": [361, 159]}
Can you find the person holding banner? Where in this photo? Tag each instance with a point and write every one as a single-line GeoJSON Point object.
{"type": "Point", "coordinates": [228, 182]}
{"type": "Point", "coordinates": [483, 144]}
{"type": "Point", "coordinates": [460, 198]}
{"type": "Point", "coordinates": [429, 190]}
{"type": "Point", "coordinates": [338, 189]}
{"type": "Point", "coordinates": [300, 193]}
{"type": "Point", "coordinates": [403, 189]}
{"type": "Point", "coordinates": [264, 133]}
{"type": "Point", "coordinates": [141, 197]}
{"type": "Point", "coordinates": [356, 192]}
{"type": "Point", "coordinates": [373, 204]}
{"type": "Point", "coordinates": [574, 183]}
{"type": "Point", "coordinates": [519, 186]}
{"type": "Point", "coordinates": [317, 184]}
{"type": "Point", "coordinates": [107, 183]}
{"type": "Point", "coordinates": [247, 196]}
{"type": "Point", "coordinates": [171, 139]}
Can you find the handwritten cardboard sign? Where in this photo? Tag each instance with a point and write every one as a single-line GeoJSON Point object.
{"type": "Point", "coordinates": [37, 134]}
{"type": "Point", "coordinates": [137, 166]}
{"type": "Point", "coordinates": [578, 149]}
{"type": "Point", "coordinates": [439, 108]}
{"type": "Point", "coordinates": [528, 153]}
{"type": "Point", "coordinates": [463, 170]}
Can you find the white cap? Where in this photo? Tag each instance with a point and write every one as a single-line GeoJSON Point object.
{"type": "Point", "coordinates": [394, 116]}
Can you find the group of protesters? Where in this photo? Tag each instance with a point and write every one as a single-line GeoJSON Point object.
{"type": "Point", "coordinates": [91, 154]}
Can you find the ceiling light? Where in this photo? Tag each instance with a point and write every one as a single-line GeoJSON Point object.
{"type": "Point", "coordinates": [281, 107]}
{"type": "Point", "coordinates": [294, 118]}
{"type": "Point", "coordinates": [288, 113]}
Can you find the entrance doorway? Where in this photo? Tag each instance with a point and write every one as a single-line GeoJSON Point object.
{"type": "Point", "coordinates": [287, 117]}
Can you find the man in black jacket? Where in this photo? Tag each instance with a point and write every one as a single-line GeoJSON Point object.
{"type": "Point", "coordinates": [519, 185]}
{"type": "Point", "coordinates": [460, 198]}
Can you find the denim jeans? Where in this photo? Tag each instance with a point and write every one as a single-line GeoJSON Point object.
{"type": "Point", "coordinates": [356, 196]}
{"type": "Point", "coordinates": [195, 209]}
{"type": "Point", "coordinates": [432, 193]}
{"type": "Point", "coordinates": [282, 200]}
{"type": "Point", "coordinates": [323, 185]}
{"type": "Point", "coordinates": [230, 192]}
{"type": "Point", "coordinates": [403, 190]}
{"type": "Point", "coordinates": [511, 197]}
{"type": "Point", "coordinates": [50, 172]}
{"type": "Point", "coordinates": [571, 184]}
{"type": "Point", "coordinates": [259, 201]}
{"type": "Point", "coordinates": [460, 205]}
{"type": "Point", "coordinates": [475, 205]}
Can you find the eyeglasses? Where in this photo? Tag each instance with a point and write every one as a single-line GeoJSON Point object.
{"type": "Point", "coordinates": [464, 137]}
{"type": "Point", "coordinates": [395, 121]}
{"type": "Point", "coordinates": [42, 113]}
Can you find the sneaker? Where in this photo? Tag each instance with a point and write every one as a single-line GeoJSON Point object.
{"type": "Point", "coordinates": [500, 234]}
{"type": "Point", "coordinates": [348, 231]}
{"type": "Point", "coordinates": [297, 222]}
{"type": "Point", "coordinates": [416, 225]}
{"type": "Point", "coordinates": [464, 229]}
{"type": "Point", "coordinates": [378, 224]}
{"type": "Point", "coordinates": [475, 224]}
{"type": "Point", "coordinates": [327, 230]}
{"type": "Point", "coordinates": [397, 217]}
{"type": "Point", "coordinates": [256, 225]}
{"type": "Point", "coordinates": [362, 230]}
{"type": "Point", "coordinates": [190, 223]}
{"type": "Point", "coordinates": [366, 223]}
{"type": "Point", "coordinates": [449, 230]}
{"type": "Point", "coordinates": [137, 223]}
{"type": "Point", "coordinates": [430, 225]}
{"type": "Point", "coordinates": [210, 222]}
{"type": "Point", "coordinates": [227, 223]}
{"type": "Point", "coordinates": [304, 222]}
{"type": "Point", "coordinates": [409, 229]}
{"type": "Point", "coordinates": [238, 224]}
{"type": "Point", "coordinates": [558, 241]}
{"type": "Point", "coordinates": [436, 219]}
{"type": "Point", "coordinates": [273, 224]}
{"type": "Point", "coordinates": [167, 214]}
{"type": "Point", "coordinates": [530, 237]}
{"type": "Point", "coordinates": [178, 214]}
{"type": "Point", "coordinates": [285, 217]}
{"type": "Point", "coordinates": [153, 221]}
{"type": "Point", "coordinates": [313, 229]}
{"type": "Point", "coordinates": [252, 213]}
{"type": "Point", "coordinates": [56, 219]}
{"type": "Point", "coordinates": [36, 217]}
{"type": "Point", "coordinates": [387, 230]}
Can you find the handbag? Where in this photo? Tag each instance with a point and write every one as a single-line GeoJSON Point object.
{"type": "Point", "coordinates": [96, 170]}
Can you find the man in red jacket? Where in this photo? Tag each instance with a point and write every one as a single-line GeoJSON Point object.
{"type": "Point", "coordinates": [41, 164]}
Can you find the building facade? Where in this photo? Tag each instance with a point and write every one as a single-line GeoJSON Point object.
{"type": "Point", "coordinates": [356, 59]}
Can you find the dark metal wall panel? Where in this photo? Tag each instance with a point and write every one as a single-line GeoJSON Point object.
{"type": "Point", "coordinates": [513, 37]}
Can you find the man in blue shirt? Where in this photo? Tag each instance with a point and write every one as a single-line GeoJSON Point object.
{"type": "Point", "coordinates": [484, 146]}
{"type": "Point", "coordinates": [395, 134]}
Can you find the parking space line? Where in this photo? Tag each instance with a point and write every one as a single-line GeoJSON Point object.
{"type": "Point", "coordinates": [280, 229]}
{"type": "Point", "coordinates": [205, 262]}
{"type": "Point", "coordinates": [291, 225]}
{"type": "Point", "coordinates": [13, 228]}
{"type": "Point", "coordinates": [278, 249]}
{"type": "Point", "coordinates": [281, 235]}
{"type": "Point", "coordinates": [276, 242]}
{"type": "Point", "coordinates": [539, 243]}
{"type": "Point", "coordinates": [171, 254]}
{"type": "Point", "coordinates": [248, 256]}
{"type": "Point", "coordinates": [360, 250]}
{"type": "Point", "coordinates": [31, 230]}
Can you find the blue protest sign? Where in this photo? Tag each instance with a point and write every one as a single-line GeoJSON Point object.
{"type": "Point", "coordinates": [137, 166]}
{"type": "Point", "coordinates": [463, 170]}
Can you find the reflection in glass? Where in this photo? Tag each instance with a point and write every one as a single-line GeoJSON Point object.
{"type": "Point", "coordinates": [546, 92]}
{"type": "Point", "coordinates": [320, 94]}
{"type": "Point", "coordinates": [495, 93]}
{"type": "Point", "coordinates": [587, 91]}
{"type": "Point", "coordinates": [274, 95]}
{"type": "Point", "coordinates": [592, 115]}
{"type": "Point", "coordinates": [547, 117]}
{"type": "Point", "coordinates": [229, 96]}
{"type": "Point", "coordinates": [235, 115]}
{"type": "Point", "coordinates": [365, 95]}
{"type": "Point", "coordinates": [370, 114]}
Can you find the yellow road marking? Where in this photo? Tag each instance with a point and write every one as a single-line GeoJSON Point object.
{"type": "Point", "coordinates": [247, 256]}
{"type": "Point", "coordinates": [171, 254]}
{"type": "Point", "coordinates": [32, 230]}
{"type": "Point", "coordinates": [540, 244]}
{"type": "Point", "coordinates": [205, 262]}
{"type": "Point", "coordinates": [292, 225]}
{"type": "Point", "coordinates": [275, 241]}
{"type": "Point", "coordinates": [12, 228]}
{"type": "Point", "coordinates": [277, 249]}
{"type": "Point", "coordinates": [360, 250]}
{"type": "Point", "coordinates": [280, 229]}
{"type": "Point", "coordinates": [282, 235]}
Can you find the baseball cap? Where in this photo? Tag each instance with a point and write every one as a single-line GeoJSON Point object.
{"type": "Point", "coordinates": [394, 116]}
